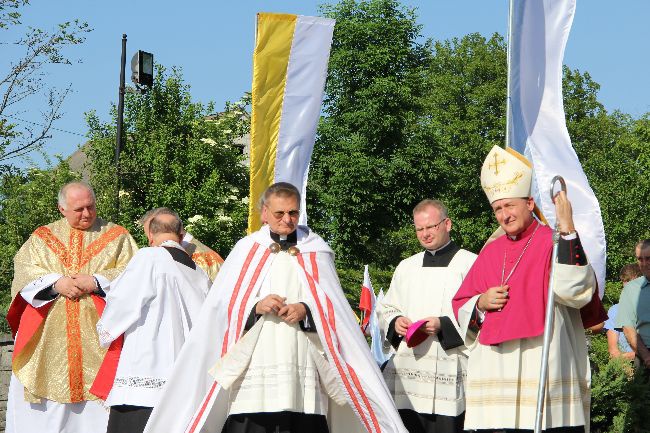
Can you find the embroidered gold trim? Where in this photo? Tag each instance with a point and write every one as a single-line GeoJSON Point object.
{"type": "Point", "coordinates": [53, 243]}
{"type": "Point", "coordinates": [98, 245]}
{"type": "Point", "coordinates": [75, 360]}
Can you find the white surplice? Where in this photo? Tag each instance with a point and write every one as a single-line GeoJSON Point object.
{"type": "Point", "coordinates": [426, 378]}
{"type": "Point", "coordinates": [154, 303]}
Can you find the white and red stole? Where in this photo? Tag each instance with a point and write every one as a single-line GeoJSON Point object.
{"type": "Point", "coordinates": [193, 401]}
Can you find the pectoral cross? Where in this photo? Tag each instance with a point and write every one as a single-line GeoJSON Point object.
{"type": "Point", "coordinates": [496, 164]}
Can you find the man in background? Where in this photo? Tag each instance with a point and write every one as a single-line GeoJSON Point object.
{"type": "Point", "coordinates": [634, 307]}
{"type": "Point", "coordinates": [617, 344]}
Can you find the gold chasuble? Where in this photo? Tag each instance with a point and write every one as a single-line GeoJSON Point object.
{"type": "Point", "coordinates": [57, 351]}
{"type": "Point", "coordinates": [207, 259]}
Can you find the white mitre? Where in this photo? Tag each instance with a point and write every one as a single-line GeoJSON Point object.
{"type": "Point", "coordinates": [506, 174]}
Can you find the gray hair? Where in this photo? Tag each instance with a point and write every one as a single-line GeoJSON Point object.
{"type": "Point", "coordinates": [282, 189]}
{"type": "Point", "coordinates": [158, 226]}
{"type": "Point", "coordinates": [437, 204]}
{"type": "Point", "coordinates": [154, 212]}
{"type": "Point", "coordinates": [63, 192]}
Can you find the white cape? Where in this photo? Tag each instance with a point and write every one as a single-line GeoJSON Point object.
{"type": "Point", "coordinates": [194, 402]}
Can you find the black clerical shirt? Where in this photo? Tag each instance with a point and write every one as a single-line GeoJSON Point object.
{"type": "Point", "coordinates": [285, 244]}
{"type": "Point", "coordinates": [440, 258]}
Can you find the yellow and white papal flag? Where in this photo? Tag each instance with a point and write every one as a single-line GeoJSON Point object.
{"type": "Point", "coordinates": [289, 71]}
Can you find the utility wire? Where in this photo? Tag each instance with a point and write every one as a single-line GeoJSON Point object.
{"type": "Point", "coordinates": [40, 124]}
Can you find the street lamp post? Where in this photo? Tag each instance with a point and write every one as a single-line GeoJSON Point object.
{"type": "Point", "coordinates": [142, 77]}
{"type": "Point", "coordinates": [118, 138]}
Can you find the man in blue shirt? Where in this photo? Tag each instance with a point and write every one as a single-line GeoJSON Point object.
{"type": "Point", "coordinates": [634, 307]}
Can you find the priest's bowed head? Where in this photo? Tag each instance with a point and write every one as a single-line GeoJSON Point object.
{"type": "Point", "coordinates": [432, 229]}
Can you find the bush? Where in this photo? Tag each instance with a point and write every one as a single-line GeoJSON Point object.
{"type": "Point", "coordinates": [620, 397]}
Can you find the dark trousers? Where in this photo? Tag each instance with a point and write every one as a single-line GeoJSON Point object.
{"type": "Point", "coordinates": [128, 419]}
{"type": "Point", "coordinates": [576, 429]}
{"type": "Point", "coordinates": [275, 422]}
{"type": "Point", "coordinates": [431, 423]}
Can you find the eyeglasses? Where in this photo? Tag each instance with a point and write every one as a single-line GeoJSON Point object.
{"type": "Point", "coordinates": [295, 213]}
{"type": "Point", "coordinates": [434, 226]}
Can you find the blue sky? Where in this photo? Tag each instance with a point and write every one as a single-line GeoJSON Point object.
{"type": "Point", "coordinates": [213, 41]}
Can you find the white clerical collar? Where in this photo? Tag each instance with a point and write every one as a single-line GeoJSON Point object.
{"type": "Point", "coordinates": [170, 243]}
{"type": "Point", "coordinates": [433, 252]}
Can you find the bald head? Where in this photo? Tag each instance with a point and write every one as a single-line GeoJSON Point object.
{"type": "Point", "coordinates": [74, 188]}
{"type": "Point", "coordinates": [164, 227]}
{"type": "Point", "coordinates": [145, 220]}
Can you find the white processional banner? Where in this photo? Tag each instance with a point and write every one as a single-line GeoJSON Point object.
{"type": "Point", "coordinates": [539, 30]}
{"type": "Point", "coordinates": [289, 72]}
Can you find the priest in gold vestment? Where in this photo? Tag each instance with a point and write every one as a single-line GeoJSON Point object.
{"type": "Point", "coordinates": [60, 277]}
{"type": "Point", "coordinates": [205, 257]}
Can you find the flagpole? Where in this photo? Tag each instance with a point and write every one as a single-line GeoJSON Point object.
{"type": "Point", "coordinates": [509, 42]}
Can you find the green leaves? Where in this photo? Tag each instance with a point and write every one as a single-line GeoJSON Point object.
{"type": "Point", "coordinates": [374, 89]}
{"type": "Point", "coordinates": [179, 154]}
{"type": "Point", "coordinates": [613, 149]}
{"type": "Point", "coordinates": [620, 396]}
{"type": "Point", "coordinates": [407, 119]}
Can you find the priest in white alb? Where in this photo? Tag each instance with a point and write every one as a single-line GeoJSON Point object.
{"type": "Point", "coordinates": [277, 347]}
{"type": "Point", "coordinates": [61, 275]}
{"type": "Point", "coordinates": [150, 310]}
{"type": "Point", "coordinates": [501, 306]}
{"type": "Point", "coordinates": [426, 375]}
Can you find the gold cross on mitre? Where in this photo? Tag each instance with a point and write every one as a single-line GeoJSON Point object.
{"type": "Point", "coordinates": [496, 163]}
{"type": "Point", "coordinates": [505, 173]}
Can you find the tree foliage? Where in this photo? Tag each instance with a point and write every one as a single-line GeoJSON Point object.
{"type": "Point", "coordinates": [614, 150]}
{"type": "Point", "coordinates": [26, 79]}
{"type": "Point", "coordinates": [407, 119]}
{"type": "Point", "coordinates": [465, 106]}
{"type": "Point", "coordinates": [176, 154]}
{"type": "Point", "coordinates": [373, 98]}
{"type": "Point", "coordinates": [620, 396]}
